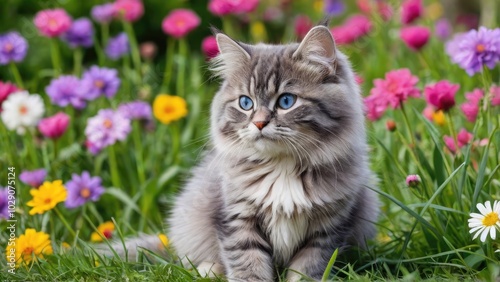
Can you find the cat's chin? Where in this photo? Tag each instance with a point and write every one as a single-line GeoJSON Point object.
{"type": "Point", "coordinates": [268, 147]}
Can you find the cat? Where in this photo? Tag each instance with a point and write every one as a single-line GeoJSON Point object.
{"type": "Point", "coordinates": [287, 181]}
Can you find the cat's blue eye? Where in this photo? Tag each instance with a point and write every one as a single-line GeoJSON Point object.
{"type": "Point", "coordinates": [246, 103]}
{"type": "Point", "coordinates": [286, 101]}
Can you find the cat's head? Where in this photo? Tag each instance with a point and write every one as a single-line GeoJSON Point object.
{"type": "Point", "coordinates": [296, 101]}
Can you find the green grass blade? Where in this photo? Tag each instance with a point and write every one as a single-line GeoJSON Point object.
{"type": "Point", "coordinates": [328, 269]}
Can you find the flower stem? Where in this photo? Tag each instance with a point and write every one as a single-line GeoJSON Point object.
{"type": "Point", "coordinates": [55, 149]}
{"type": "Point", "coordinates": [183, 50]}
{"type": "Point", "coordinates": [169, 63]}
{"type": "Point", "coordinates": [77, 61]}
{"type": "Point", "coordinates": [56, 56]}
{"type": "Point", "coordinates": [104, 34]}
{"type": "Point", "coordinates": [31, 147]}
{"type": "Point", "coordinates": [59, 214]}
{"type": "Point", "coordinates": [408, 126]}
{"type": "Point", "coordinates": [138, 152]}
{"type": "Point", "coordinates": [136, 58]}
{"type": "Point", "coordinates": [451, 126]}
{"type": "Point", "coordinates": [115, 177]}
{"type": "Point", "coordinates": [175, 137]}
{"type": "Point", "coordinates": [17, 75]}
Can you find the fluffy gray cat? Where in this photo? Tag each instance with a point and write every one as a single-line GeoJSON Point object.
{"type": "Point", "coordinates": [286, 181]}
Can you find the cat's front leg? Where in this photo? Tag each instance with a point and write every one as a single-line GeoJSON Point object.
{"type": "Point", "coordinates": [244, 251]}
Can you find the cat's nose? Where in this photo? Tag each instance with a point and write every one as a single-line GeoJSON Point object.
{"type": "Point", "coordinates": [260, 124]}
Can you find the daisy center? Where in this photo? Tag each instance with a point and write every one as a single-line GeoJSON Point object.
{"type": "Point", "coordinates": [28, 250]}
{"type": "Point", "coordinates": [23, 110]}
{"type": "Point", "coordinates": [8, 47]}
{"type": "Point", "coordinates": [47, 201]}
{"type": "Point", "coordinates": [108, 123]}
{"type": "Point", "coordinates": [180, 23]}
{"type": "Point", "coordinates": [99, 84]}
{"type": "Point", "coordinates": [480, 48]}
{"type": "Point", "coordinates": [52, 23]}
{"type": "Point", "coordinates": [490, 219]}
{"type": "Point", "coordinates": [107, 233]}
{"type": "Point", "coordinates": [168, 109]}
{"type": "Point", "coordinates": [85, 193]}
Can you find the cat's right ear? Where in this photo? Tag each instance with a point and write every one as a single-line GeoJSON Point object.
{"type": "Point", "coordinates": [232, 56]}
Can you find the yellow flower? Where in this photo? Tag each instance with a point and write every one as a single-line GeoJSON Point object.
{"type": "Point", "coordinates": [258, 31]}
{"type": "Point", "coordinates": [105, 230]}
{"type": "Point", "coordinates": [47, 196]}
{"type": "Point", "coordinates": [164, 240]}
{"type": "Point", "coordinates": [439, 118]}
{"type": "Point", "coordinates": [168, 108]}
{"type": "Point", "coordinates": [318, 6]}
{"type": "Point", "coordinates": [434, 11]}
{"type": "Point", "coordinates": [28, 247]}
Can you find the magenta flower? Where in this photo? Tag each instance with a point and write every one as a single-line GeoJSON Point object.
{"type": "Point", "coordinates": [136, 110]}
{"type": "Point", "coordinates": [106, 128]}
{"type": "Point", "coordinates": [464, 137]}
{"type": "Point", "coordinates": [13, 48]}
{"type": "Point", "coordinates": [98, 81]}
{"type": "Point", "coordinates": [82, 189]}
{"type": "Point", "coordinates": [118, 46]}
{"type": "Point", "coordinates": [54, 127]}
{"type": "Point", "coordinates": [66, 90]}
{"type": "Point", "coordinates": [180, 22]}
{"type": "Point", "coordinates": [4, 203]}
{"type": "Point", "coordinates": [441, 94]}
{"type": "Point", "coordinates": [353, 28]}
{"type": "Point", "coordinates": [443, 29]}
{"type": "Point", "coordinates": [6, 88]}
{"type": "Point", "coordinates": [413, 180]}
{"type": "Point", "coordinates": [103, 13]}
{"type": "Point", "coordinates": [33, 178]}
{"type": "Point", "coordinates": [224, 7]}
{"type": "Point", "coordinates": [209, 47]}
{"type": "Point", "coordinates": [80, 34]}
{"type": "Point", "coordinates": [302, 26]}
{"type": "Point", "coordinates": [52, 23]}
{"type": "Point", "coordinates": [471, 107]}
{"type": "Point", "coordinates": [396, 88]}
{"type": "Point", "coordinates": [129, 10]}
{"type": "Point", "coordinates": [495, 95]}
{"type": "Point", "coordinates": [415, 37]}
{"type": "Point", "coordinates": [475, 48]}
{"type": "Point", "coordinates": [374, 107]}
{"type": "Point", "coordinates": [94, 150]}
{"type": "Point", "coordinates": [411, 10]}
{"type": "Point", "coordinates": [375, 6]}
{"type": "Point", "coordinates": [450, 143]}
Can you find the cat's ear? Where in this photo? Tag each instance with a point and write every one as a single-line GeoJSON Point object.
{"type": "Point", "coordinates": [230, 48]}
{"type": "Point", "coordinates": [232, 56]}
{"type": "Point", "coordinates": [317, 45]}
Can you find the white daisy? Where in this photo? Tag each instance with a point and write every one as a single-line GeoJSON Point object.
{"type": "Point", "coordinates": [22, 110]}
{"type": "Point", "coordinates": [486, 222]}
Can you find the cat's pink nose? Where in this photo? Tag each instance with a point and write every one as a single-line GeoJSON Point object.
{"type": "Point", "coordinates": [260, 124]}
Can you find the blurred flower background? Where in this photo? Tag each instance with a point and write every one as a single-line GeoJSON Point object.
{"type": "Point", "coordinates": [104, 110]}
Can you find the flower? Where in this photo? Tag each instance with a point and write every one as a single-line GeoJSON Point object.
{"type": "Point", "coordinates": [136, 110]}
{"type": "Point", "coordinates": [98, 81]}
{"type": "Point", "coordinates": [471, 107]}
{"type": "Point", "coordinates": [224, 7]}
{"type": "Point", "coordinates": [302, 26]}
{"type": "Point", "coordinates": [486, 221]}
{"type": "Point", "coordinates": [411, 10]}
{"type": "Point", "coordinates": [334, 7]}
{"type": "Point", "coordinates": [381, 7]}
{"type": "Point", "coordinates": [33, 178]}
{"type": "Point", "coordinates": [6, 88]}
{"type": "Point", "coordinates": [103, 230]}
{"type": "Point", "coordinates": [450, 143]}
{"type": "Point", "coordinates": [148, 50]}
{"type": "Point", "coordinates": [439, 118]}
{"type": "Point", "coordinates": [4, 203]}
{"type": "Point", "coordinates": [168, 108]}
{"type": "Point", "coordinates": [103, 13]}
{"type": "Point", "coordinates": [54, 126]}
{"type": "Point", "coordinates": [443, 29]}
{"type": "Point", "coordinates": [415, 37]}
{"type": "Point", "coordinates": [129, 10]}
{"type": "Point", "coordinates": [180, 22]}
{"type": "Point", "coordinates": [413, 180]}
{"type": "Point", "coordinates": [83, 188]}
{"type": "Point", "coordinates": [66, 90]}
{"type": "Point", "coordinates": [441, 94]}
{"type": "Point", "coordinates": [495, 95]}
{"type": "Point", "coordinates": [209, 47]}
{"type": "Point", "coordinates": [22, 110]}
{"type": "Point", "coordinates": [464, 137]}
{"type": "Point", "coordinates": [390, 125]}
{"type": "Point", "coordinates": [80, 34]}
{"type": "Point", "coordinates": [353, 28]}
{"type": "Point", "coordinates": [52, 22]}
{"type": "Point", "coordinates": [375, 107]}
{"type": "Point", "coordinates": [164, 240]}
{"type": "Point", "coordinates": [118, 46]}
{"type": "Point", "coordinates": [13, 48]}
{"type": "Point", "coordinates": [106, 128]}
{"type": "Point", "coordinates": [28, 247]}
{"type": "Point", "coordinates": [397, 86]}
{"type": "Point", "coordinates": [94, 150]}
{"type": "Point", "coordinates": [47, 196]}
{"type": "Point", "coordinates": [475, 48]}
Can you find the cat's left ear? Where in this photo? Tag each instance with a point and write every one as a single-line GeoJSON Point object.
{"type": "Point", "coordinates": [318, 44]}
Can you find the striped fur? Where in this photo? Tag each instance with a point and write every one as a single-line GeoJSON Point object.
{"type": "Point", "coordinates": [290, 194]}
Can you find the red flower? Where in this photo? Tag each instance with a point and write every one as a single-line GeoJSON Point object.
{"type": "Point", "coordinates": [441, 94]}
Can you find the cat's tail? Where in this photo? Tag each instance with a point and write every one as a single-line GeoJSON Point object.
{"type": "Point", "coordinates": [131, 249]}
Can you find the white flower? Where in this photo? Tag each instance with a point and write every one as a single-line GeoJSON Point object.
{"type": "Point", "coordinates": [22, 110]}
{"type": "Point", "coordinates": [485, 222]}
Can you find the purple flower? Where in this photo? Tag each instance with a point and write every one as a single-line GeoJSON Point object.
{"type": "Point", "coordinates": [33, 178]}
{"type": "Point", "coordinates": [80, 34]}
{"type": "Point", "coordinates": [106, 128]}
{"type": "Point", "coordinates": [334, 7]}
{"type": "Point", "coordinates": [475, 48]}
{"type": "Point", "coordinates": [443, 29]}
{"type": "Point", "coordinates": [100, 81]}
{"type": "Point", "coordinates": [13, 48]}
{"type": "Point", "coordinates": [103, 13]}
{"type": "Point", "coordinates": [83, 188]}
{"type": "Point", "coordinates": [118, 46]}
{"type": "Point", "coordinates": [136, 110]}
{"type": "Point", "coordinates": [4, 203]}
{"type": "Point", "coordinates": [66, 90]}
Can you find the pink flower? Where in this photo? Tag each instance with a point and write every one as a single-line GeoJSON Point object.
{"type": "Point", "coordinates": [6, 88]}
{"type": "Point", "coordinates": [441, 94]}
{"type": "Point", "coordinates": [224, 7]}
{"type": "Point", "coordinates": [471, 107]}
{"type": "Point", "coordinates": [343, 35]}
{"type": "Point", "coordinates": [379, 6]}
{"type": "Point", "coordinates": [52, 23]}
{"type": "Point", "coordinates": [359, 79]}
{"type": "Point", "coordinates": [375, 107]}
{"type": "Point", "coordinates": [411, 10]}
{"type": "Point", "coordinates": [464, 137]}
{"type": "Point", "coordinates": [397, 86]}
{"type": "Point", "coordinates": [415, 37]}
{"type": "Point", "coordinates": [428, 112]}
{"type": "Point", "coordinates": [413, 180]}
{"type": "Point", "coordinates": [209, 47]}
{"type": "Point", "coordinates": [495, 95]}
{"type": "Point", "coordinates": [302, 25]}
{"type": "Point", "coordinates": [450, 143]}
{"type": "Point", "coordinates": [54, 126]}
{"type": "Point", "coordinates": [353, 28]}
{"type": "Point", "coordinates": [130, 10]}
{"type": "Point", "coordinates": [180, 22]}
